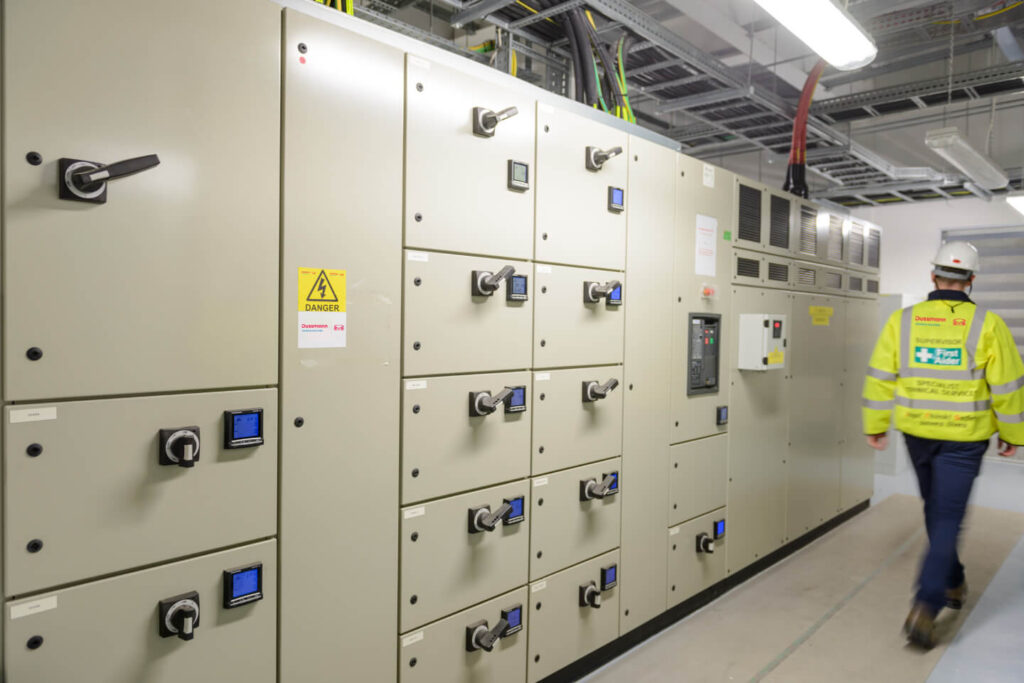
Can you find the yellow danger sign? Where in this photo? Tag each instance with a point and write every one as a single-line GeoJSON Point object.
{"type": "Point", "coordinates": [776, 357]}
{"type": "Point", "coordinates": [821, 315]}
{"type": "Point", "coordinates": [321, 290]}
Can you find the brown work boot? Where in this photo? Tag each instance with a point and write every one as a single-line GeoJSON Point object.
{"type": "Point", "coordinates": [956, 597]}
{"type": "Point", "coordinates": [920, 626]}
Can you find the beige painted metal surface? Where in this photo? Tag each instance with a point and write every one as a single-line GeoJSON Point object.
{"type": "Point", "coordinates": [108, 631]}
{"type": "Point", "coordinates": [857, 460]}
{"type": "Point", "coordinates": [568, 332]}
{"type": "Point", "coordinates": [569, 431]}
{"type": "Point", "coordinates": [697, 480]}
{"type": "Point", "coordinates": [574, 224]}
{"type": "Point", "coordinates": [449, 450]}
{"type": "Point", "coordinates": [560, 630]}
{"type": "Point", "coordinates": [564, 529]}
{"type": "Point", "coordinates": [447, 568]}
{"type": "Point", "coordinates": [172, 284]}
{"type": "Point", "coordinates": [689, 571]}
{"type": "Point", "coordinates": [340, 469]}
{"type": "Point", "coordinates": [749, 268]}
{"type": "Point", "coordinates": [447, 329]}
{"type": "Point", "coordinates": [457, 196]}
{"type": "Point", "coordinates": [438, 654]}
{"type": "Point", "coordinates": [100, 501]}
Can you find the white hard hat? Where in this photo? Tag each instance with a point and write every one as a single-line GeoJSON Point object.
{"type": "Point", "coordinates": [956, 261]}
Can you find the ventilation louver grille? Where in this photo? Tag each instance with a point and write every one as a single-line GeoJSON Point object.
{"type": "Point", "coordinates": [808, 231]}
{"type": "Point", "coordinates": [779, 231]}
{"type": "Point", "coordinates": [873, 286]}
{"type": "Point", "coordinates": [874, 247]}
{"type": "Point", "coordinates": [856, 284]}
{"type": "Point", "coordinates": [834, 280]}
{"type": "Point", "coordinates": [778, 272]}
{"type": "Point", "coordinates": [748, 267]}
{"type": "Point", "coordinates": [808, 277]}
{"type": "Point", "coordinates": [857, 244]}
{"type": "Point", "coordinates": [835, 238]}
{"type": "Point", "coordinates": [750, 214]}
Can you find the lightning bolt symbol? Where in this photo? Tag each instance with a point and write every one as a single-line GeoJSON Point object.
{"type": "Point", "coordinates": [322, 288]}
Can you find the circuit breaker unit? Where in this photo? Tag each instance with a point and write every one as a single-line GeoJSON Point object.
{"type": "Point", "coordinates": [705, 341]}
{"type": "Point", "coordinates": [762, 341]}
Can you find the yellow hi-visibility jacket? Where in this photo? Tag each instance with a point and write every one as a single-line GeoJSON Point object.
{"type": "Point", "coordinates": [950, 371]}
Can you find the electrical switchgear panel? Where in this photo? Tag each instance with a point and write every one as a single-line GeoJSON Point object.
{"type": "Point", "coordinates": [763, 341]}
{"type": "Point", "coordinates": [705, 342]}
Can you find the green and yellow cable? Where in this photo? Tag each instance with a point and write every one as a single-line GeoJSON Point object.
{"type": "Point", "coordinates": [630, 116]}
{"type": "Point", "coordinates": [600, 93]}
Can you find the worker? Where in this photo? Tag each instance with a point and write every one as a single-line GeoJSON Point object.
{"type": "Point", "coordinates": [950, 373]}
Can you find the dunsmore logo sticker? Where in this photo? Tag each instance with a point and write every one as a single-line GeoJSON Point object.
{"type": "Point", "coordinates": [930, 355]}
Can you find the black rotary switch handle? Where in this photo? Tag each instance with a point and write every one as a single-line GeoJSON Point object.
{"type": "Point", "coordinates": [478, 637]}
{"type": "Point", "coordinates": [486, 283]}
{"type": "Point", "coordinates": [179, 446]}
{"type": "Point", "coordinates": [86, 181]}
{"type": "Point", "coordinates": [483, 403]}
{"type": "Point", "coordinates": [592, 391]}
{"type": "Point", "coordinates": [591, 488]}
{"type": "Point", "coordinates": [482, 519]}
{"type": "Point", "coordinates": [590, 595]}
{"type": "Point", "coordinates": [118, 169]}
{"type": "Point", "coordinates": [179, 616]}
{"type": "Point", "coordinates": [596, 157]}
{"type": "Point", "coordinates": [595, 291]}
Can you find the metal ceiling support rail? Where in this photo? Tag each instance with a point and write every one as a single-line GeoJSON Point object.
{"type": "Point", "coordinates": [546, 14]}
{"type": "Point", "coordinates": [657, 66]}
{"type": "Point", "coordinates": [701, 99]}
{"type": "Point", "coordinates": [689, 80]}
{"type": "Point", "coordinates": [478, 10]}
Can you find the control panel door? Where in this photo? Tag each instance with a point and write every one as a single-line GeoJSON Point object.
{"type": "Point", "coordinates": [119, 630]}
{"type": "Point", "coordinates": [698, 477]}
{"type": "Point", "coordinates": [469, 171]}
{"type": "Point", "coordinates": [577, 417]}
{"type": "Point", "coordinates": [579, 316]}
{"type": "Point", "coordinates": [576, 515]}
{"type": "Point", "coordinates": [461, 550]}
{"type": "Point", "coordinates": [463, 432]}
{"type": "Point", "coordinates": [163, 275]}
{"type": "Point", "coordinates": [582, 193]}
{"type": "Point", "coordinates": [96, 487]}
{"type": "Point", "coordinates": [696, 556]}
{"type": "Point", "coordinates": [574, 612]}
{"type": "Point", "coordinates": [483, 643]}
{"type": "Point", "coordinates": [465, 314]}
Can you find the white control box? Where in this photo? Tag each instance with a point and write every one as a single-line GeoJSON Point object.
{"type": "Point", "coordinates": [762, 341]}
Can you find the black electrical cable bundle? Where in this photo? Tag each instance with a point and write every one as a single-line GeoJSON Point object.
{"type": "Point", "coordinates": [614, 88]}
{"type": "Point", "coordinates": [583, 53]}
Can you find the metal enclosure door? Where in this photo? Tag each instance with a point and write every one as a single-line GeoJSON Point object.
{"type": "Point", "coordinates": [564, 529]}
{"type": "Point", "coordinates": [574, 222]}
{"type": "Point", "coordinates": [569, 332]}
{"type": "Point", "coordinates": [560, 630]}
{"type": "Point", "coordinates": [569, 431]}
{"type": "Point", "coordinates": [108, 631]}
{"type": "Point", "coordinates": [438, 654]}
{"type": "Point", "coordinates": [172, 284]}
{"type": "Point", "coordinates": [100, 459]}
{"type": "Point", "coordinates": [457, 194]}
{"type": "Point", "coordinates": [445, 451]}
{"type": "Point", "coordinates": [698, 476]}
{"type": "Point", "coordinates": [448, 329]}
{"type": "Point", "coordinates": [446, 568]}
{"type": "Point", "coordinates": [857, 459]}
{"type": "Point", "coordinates": [689, 571]}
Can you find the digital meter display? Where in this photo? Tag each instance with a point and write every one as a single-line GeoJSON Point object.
{"type": "Point", "coordinates": [243, 428]}
{"type": "Point", "coordinates": [518, 512]}
{"type": "Point", "coordinates": [614, 488]}
{"type": "Point", "coordinates": [609, 577]}
{"type": "Point", "coordinates": [516, 403]}
{"type": "Point", "coordinates": [719, 529]}
{"type": "Point", "coordinates": [518, 175]}
{"type": "Point", "coordinates": [513, 616]}
{"type": "Point", "coordinates": [243, 585]}
{"type": "Point", "coordinates": [246, 425]}
{"type": "Point", "coordinates": [615, 298]}
{"type": "Point", "coordinates": [616, 199]}
{"type": "Point", "coordinates": [517, 288]}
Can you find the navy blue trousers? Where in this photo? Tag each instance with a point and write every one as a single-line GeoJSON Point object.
{"type": "Point", "coordinates": [945, 473]}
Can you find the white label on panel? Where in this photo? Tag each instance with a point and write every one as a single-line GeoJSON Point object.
{"type": "Point", "coordinates": [674, 532]}
{"type": "Point", "coordinates": [26, 609]}
{"type": "Point", "coordinates": [33, 414]}
{"type": "Point", "coordinates": [412, 639]}
{"type": "Point", "coordinates": [542, 377]}
{"type": "Point", "coordinates": [709, 176]}
{"type": "Point", "coordinates": [705, 247]}
{"type": "Point", "coordinates": [416, 384]}
{"type": "Point", "coordinates": [417, 256]}
{"type": "Point", "coordinates": [543, 481]}
{"type": "Point", "coordinates": [415, 512]}
{"type": "Point", "coordinates": [543, 269]}
{"type": "Point", "coordinates": [538, 586]}
{"type": "Point", "coordinates": [419, 61]}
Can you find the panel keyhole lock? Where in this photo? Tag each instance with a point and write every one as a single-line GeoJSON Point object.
{"type": "Point", "coordinates": [479, 637]}
{"type": "Point", "coordinates": [592, 391]}
{"type": "Point", "coordinates": [485, 121]}
{"type": "Point", "coordinates": [86, 181]}
{"type": "Point", "coordinates": [705, 544]}
{"type": "Point", "coordinates": [597, 157]}
{"type": "Point", "coordinates": [592, 488]}
{"type": "Point", "coordinates": [486, 283]}
{"type": "Point", "coordinates": [179, 616]}
{"type": "Point", "coordinates": [593, 292]}
{"type": "Point", "coordinates": [482, 403]}
{"type": "Point", "coordinates": [482, 519]}
{"type": "Point", "coordinates": [179, 446]}
{"type": "Point", "coordinates": [590, 595]}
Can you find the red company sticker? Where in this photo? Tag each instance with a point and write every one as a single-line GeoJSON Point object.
{"type": "Point", "coordinates": [339, 328]}
{"type": "Point", "coordinates": [959, 322]}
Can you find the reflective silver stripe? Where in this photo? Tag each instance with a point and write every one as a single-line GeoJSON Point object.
{"type": "Point", "coordinates": [929, 373]}
{"type": "Point", "coordinates": [1009, 387]}
{"type": "Point", "coordinates": [975, 334]}
{"type": "Point", "coordinates": [952, 406]}
{"type": "Point", "coordinates": [1010, 419]}
{"type": "Point", "coordinates": [906, 353]}
{"type": "Point", "coordinates": [877, 405]}
{"type": "Point", "coordinates": [882, 374]}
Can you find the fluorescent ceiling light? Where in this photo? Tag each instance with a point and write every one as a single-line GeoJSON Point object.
{"type": "Point", "coordinates": [1016, 200]}
{"type": "Point", "coordinates": [948, 143]}
{"type": "Point", "coordinates": [827, 29]}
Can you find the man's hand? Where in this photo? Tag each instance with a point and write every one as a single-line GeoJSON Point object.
{"type": "Point", "coordinates": [878, 441]}
{"type": "Point", "coordinates": [1007, 450]}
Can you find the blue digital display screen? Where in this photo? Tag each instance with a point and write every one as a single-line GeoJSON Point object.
{"type": "Point", "coordinates": [618, 195]}
{"type": "Point", "coordinates": [514, 617]}
{"type": "Point", "coordinates": [245, 582]}
{"type": "Point", "coordinates": [518, 396]}
{"type": "Point", "coordinates": [518, 284]}
{"type": "Point", "coordinates": [609, 574]}
{"type": "Point", "coordinates": [517, 508]}
{"type": "Point", "coordinates": [615, 481]}
{"type": "Point", "coordinates": [246, 425]}
{"type": "Point", "coordinates": [720, 527]}
{"type": "Point", "coordinates": [616, 294]}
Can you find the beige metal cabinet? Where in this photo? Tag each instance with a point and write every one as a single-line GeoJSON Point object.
{"type": "Point", "coordinates": [690, 570]}
{"type": "Point", "coordinates": [561, 629]}
{"type": "Point", "coordinates": [569, 331]}
{"type": "Point", "coordinates": [439, 653]}
{"type": "Point", "coordinates": [577, 417]}
{"type": "Point", "coordinates": [575, 222]}
{"type": "Point", "coordinates": [459, 192]}
{"type": "Point", "coordinates": [89, 485]}
{"type": "Point", "coordinates": [450, 329]}
{"type": "Point", "coordinates": [446, 567]}
{"type": "Point", "coordinates": [445, 449]}
{"type": "Point", "coordinates": [697, 480]}
{"type": "Point", "coordinates": [172, 284]}
{"type": "Point", "coordinates": [108, 631]}
{"type": "Point", "coordinates": [566, 529]}
{"type": "Point", "coordinates": [857, 459]}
